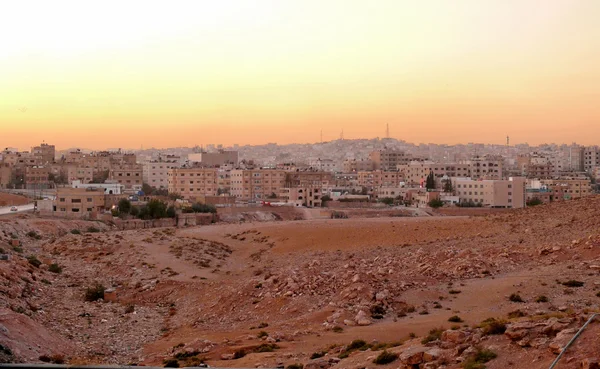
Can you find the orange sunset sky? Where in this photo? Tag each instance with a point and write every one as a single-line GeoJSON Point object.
{"type": "Point", "coordinates": [180, 73]}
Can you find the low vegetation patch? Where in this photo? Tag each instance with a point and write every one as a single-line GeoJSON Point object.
{"type": "Point", "coordinates": [515, 298]}
{"type": "Point", "coordinates": [455, 319]}
{"type": "Point", "coordinates": [478, 360]}
{"type": "Point", "coordinates": [171, 363]}
{"type": "Point", "coordinates": [434, 335]}
{"type": "Point", "coordinates": [55, 268]}
{"type": "Point", "coordinates": [95, 292]}
{"type": "Point", "coordinates": [385, 358]}
{"type": "Point", "coordinates": [541, 298]}
{"type": "Point", "coordinates": [75, 231]}
{"type": "Point", "coordinates": [93, 230]}
{"type": "Point", "coordinates": [492, 326]}
{"type": "Point", "coordinates": [573, 283]}
{"type": "Point", "coordinates": [294, 366]}
{"type": "Point", "coordinates": [454, 292]}
{"type": "Point", "coordinates": [34, 261]}
{"type": "Point", "coordinates": [317, 355]}
{"type": "Point", "coordinates": [337, 329]}
{"type": "Point", "coordinates": [516, 314]}
{"type": "Point", "coordinates": [34, 235]}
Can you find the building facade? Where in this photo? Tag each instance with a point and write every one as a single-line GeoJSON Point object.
{"type": "Point", "coordinates": [193, 182]}
{"type": "Point", "coordinates": [508, 193]}
{"type": "Point", "coordinates": [257, 183]}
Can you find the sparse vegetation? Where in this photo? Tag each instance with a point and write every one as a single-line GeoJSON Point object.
{"type": "Point", "coordinates": [18, 249]}
{"type": "Point", "coordinates": [33, 260]}
{"type": "Point", "coordinates": [455, 319]}
{"type": "Point", "coordinates": [478, 360]}
{"type": "Point", "coordinates": [263, 325]}
{"type": "Point", "coordinates": [238, 354]}
{"type": "Point", "coordinates": [434, 335]}
{"type": "Point", "coordinates": [55, 268]}
{"type": "Point", "coordinates": [34, 235]}
{"type": "Point", "coordinates": [435, 203]}
{"type": "Point", "coordinates": [171, 363]}
{"type": "Point", "coordinates": [515, 298]}
{"type": "Point", "coordinates": [262, 334]}
{"type": "Point", "coordinates": [294, 366]}
{"type": "Point", "coordinates": [454, 292]}
{"type": "Point", "coordinates": [94, 293]}
{"type": "Point", "coordinates": [337, 329]}
{"type": "Point", "coordinates": [92, 229]}
{"type": "Point", "coordinates": [338, 215]}
{"type": "Point", "coordinates": [385, 358]}
{"type": "Point", "coordinates": [541, 298]}
{"type": "Point", "coordinates": [317, 355]}
{"type": "Point", "coordinates": [573, 283]}
{"type": "Point", "coordinates": [75, 231]}
{"type": "Point", "coordinates": [493, 326]}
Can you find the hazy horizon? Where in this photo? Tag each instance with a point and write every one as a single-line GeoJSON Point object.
{"type": "Point", "coordinates": [251, 72]}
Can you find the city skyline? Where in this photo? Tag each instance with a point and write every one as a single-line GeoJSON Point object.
{"type": "Point", "coordinates": [253, 72]}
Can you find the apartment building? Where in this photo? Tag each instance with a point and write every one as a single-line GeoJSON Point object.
{"type": "Point", "coordinates": [487, 167]}
{"type": "Point", "coordinates": [379, 178]}
{"type": "Point", "coordinates": [416, 172]}
{"type": "Point", "coordinates": [128, 175]}
{"type": "Point", "coordinates": [44, 153]}
{"type": "Point", "coordinates": [497, 193]}
{"type": "Point", "coordinates": [78, 202]}
{"type": "Point", "coordinates": [156, 173]}
{"type": "Point", "coordinates": [360, 165]}
{"type": "Point", "coordinates": [193, 182]}
{"type": "Point", "coordinates": [316, 179]}
{"type": "Point", "coordinates": [568, 188]}
{"type": "Point", "coordinates": [591, 158]}
{"type": "Point", "coordinates": [36, 177]}
{"type": "Point", "coordinates": [325, 165]}
{"type": "Point", "coordinates": [309, 197]}
{"type": "Point", "coordinates": [214, 159]}
{"type": "Point", "coordinates": [257, 183]}
{"type": "Point", "coordinates": [5, 175]}
{"type": "Point", "coordinates": [388, 159]}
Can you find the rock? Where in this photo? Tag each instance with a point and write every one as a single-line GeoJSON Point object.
{"type": "Point", "coordinates": [349, 322]}
{"type": "Point", "coordinates": [596, 267]}
{"type": "Point", "coordinates": [227, 356]}
{"type": "Point", "coordinates": [413, 355]}
{"type": "Point", "coordinates": [561, 340]}
{"type": "Point", "coordinates": [590, 363]}
{"type": "Point", "coordinates": [554, 325]}
{"type": "Point", "coordinates": [518, 331]}
{"type": "Point", "coordinates": [362, 318]}
{"type": "Point", "coordinates": [364, 322]}
{"type": "Point", "coordinates": [380, 296]}
{"type": "Point", "coordinates": [356, 278]}
{"type": "Point", "coordinates": [432, 354]}
{"type": "Point", "coordinates": [318, 364]}
{"type": "Point", "coordinates": [456, 336]}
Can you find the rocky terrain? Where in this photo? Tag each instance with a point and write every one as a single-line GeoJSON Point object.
{"type": "Point", "coordinates": [500, 290]}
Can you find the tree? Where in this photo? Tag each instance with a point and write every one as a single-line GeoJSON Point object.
{"type": "Point", "coordinates": [534, 201]}
{"type": "Point", "coordinates": [203, 208]}
{"type": "Point", "coordinates": [387, 200]}
{"type": "Point", "coordinates": [175, 196]}
{"type": "Point", "coordinates": [124, 206]}
{"type": "Point", "coordinates": [448, 186]}
{"type": "Point", "coordinates": [147, 189]}
{"type": "Point", "coordinates": [156, 209]}
{"type": "Point", "coordinates": [436, 203]}
{"type": "Point", "coordinates": [430, 182]}
{"type": "Point", "coordinates": [171, 212]}
{"type": "Point", "coordinates": [135, 211]}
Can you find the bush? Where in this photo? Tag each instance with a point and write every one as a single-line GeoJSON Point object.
{"type": "Point", "coordinates": [266, 347]}
{"type": "Point", "coordinates": [33, 234]}
{"type": "Point", "coordinates": [385, 358]}
{"type": "Point", "coordinates": [130, 308]}
{"type": "Point", "coordinates": [436, 203]}
{"type": "Point", "coordinates": [262, 334]}
{"type": "Point", "coordinates": [515, 298]}
{"type": "Point", "coordinates": [238, 354]}
{"type": "Point", "coordinates": [93, 230]}
{"type": "Point", "coordinates": [204, 208]}
{"type": "Point", "coordinates": [135, 211]}
{"type": "Point", "coordinates": [18, 249]}
{"type": "Point", "coordinates": [34, 261]}
{"type": "Point", "coordinates": [533, 202]}
{"type": "Point", "coordinates": [95, 292]}
{"type": "Point", "coordinates": [338, 329]}
{"type": "Point", "coordinates": [55, 268]}
{"type": "Point", "coordinates": [434, 335]}
{"type": "Point", "coordinates": [454, 292]}
{"type": "Point", "coordinates": [541, 299]}
{"type": "Point", "coordinates": [478, 360]}
{"type": "Point", "coordinates": [516, 314]}
{"type": "Point", "coordinates": [317, 355]}
{"type": "Point", "coordinates": [356, 345]}
{"type": "Point", "coordinates": [338, 215]}
{"type": "Point", "coordinates": [294, 366]}
{"type": "Point", "coordinates": [171, 363]}
{"type": "Point", "coordinates": [263, 325]}
{"type": "Point", "coordinates": [75, 231]}
{"type": "Point", "coordinates": [573, 283]}
{"type": "Point", "coordinates": [124, 206]}
{"type": "Point", "coordinates": [455, 319]}
{"type": "Point", "coordinates": [387, 200]}
{"type": "Point", "coordinates": [492, 326]}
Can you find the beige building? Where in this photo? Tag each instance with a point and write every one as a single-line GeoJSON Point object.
{"type": "Point", "coordinates": [303, 196]}
{"type": "Point", "coordinates": [129, 175]}
{"type": "Point", "coordinates": [78, 202]}
{"type": "Point", "coordinates": [214, 159]}
{"type": "Point", "coordinates": [591, 158]}
{"type": "Point", "coordinates": [388, 159]}
{"type": "Point", "coordinates": [44, 153]}
{"type": "Point", "coordinates": [508, 193]}
{"type": "Point", "coordinates": [415, 173]}
{"type": "Point", "coordinates": [379, 178]}
{"type": "Point", "coordinates": [257, 183]}
{"type": "Point", "coordinates": [156, 173]}
{"type": "Point", "coordinates": [353, 165]}
{"type": "Point", "coordinates": [316, 179]}
{"type": "Point", "coordinates": [192, 183]}
{"type": "Point", "coordinates": [36, 177]}
{"type": "Point", "coordinates": [568, 188]}
{"type": "Point", "coordinates": [487, 167]}
{"type": "Point", "coordinates": [5, 175]}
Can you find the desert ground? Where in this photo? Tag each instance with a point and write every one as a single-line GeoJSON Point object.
{"type": "Point", "coordinates": [321, 293]}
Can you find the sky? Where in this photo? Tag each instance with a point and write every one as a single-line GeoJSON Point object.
{"type": "Point", "coordinates": [179, 73]}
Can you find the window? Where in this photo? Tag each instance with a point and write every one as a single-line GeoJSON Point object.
{"type": "Point", "coordinates": [62, 199]}
{"type": "Point", "coordinates": [75, 200]}
{"type": "Point", "coordinates": [89, 199]}
{"type": "Point", "coordinates": [75, 210]}
{"type": "Point", "coordinates": [89, 209]}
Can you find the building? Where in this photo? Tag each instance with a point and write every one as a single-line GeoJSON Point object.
{"type": "Point", "coordinates": [78, 202]}
{"type": "Point", "coordinates": [415, 173]}
{"type": "Point", "coordinates": [486, 167]}
{"type": "Point", "coordinates": [214, 159]}
{"type": "Point", "coordinates": [44, 154]}
{"type": "Point", "coordinates": [567, 188]}
{"type": "Point", "coordinates": [316, 179]}
{"type": "Point", "coordinates": [353, 165]}
{"type": "Point", "coordinates": [324, 165]}
{"type": "Point", "coordinates": [257, 183]}
{"type": "Point", "coordinates": [5, 175]}
{"type": "Point", "coordinates": [193, 182]}
{"type": "Point", "coordinates": [156, 172]}
{"type": "Point", "coordinates": [496, 193]}
{"type": "Point", "coordinates": [108, 188]}
{"type": "Point", "coordinates": [591, 158]}
{"type": "Point", "coordinates": [303, 196]}
{"type": "Point", "coordinates": [388, 159]}
{"type": "Point", "coordinates": [129, 175]}
{"type": "Point", "coordinates": [379, 178]}
{"type": "Point", "coordinates": [37, 177]}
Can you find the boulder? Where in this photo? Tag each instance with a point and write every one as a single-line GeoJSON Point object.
{"type": "Point", "coordinates": [318, 364]}
{"type": "Point", "coordinates": [561, 340]}
{"type": "Point", "coordinates": [413, 355]}
{"type": "Point", "coordinates": [454, 336]}
{"type": "Point", "coordinates": [432, 354]}
{"type": "Point", "coordinates": [590, 363]}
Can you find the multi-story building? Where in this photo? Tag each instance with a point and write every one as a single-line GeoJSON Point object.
{"type": "Point", "coordinates": [78, 202]}
{"type": "Point", "coordinates": [214, 159]}
{"type": "Point", "coordinates": [193, 182]}
{"type": "Point", "coordinates": [303, 196]}
{"type": "Point", "coordinates": [497, 193]}
{"type": "Point", "coordinates": [354, 165]}
{"type": "Point", "coordinates": [379, 178]}
{"type": "Point", "coordinates": [108, 188]}
{"type": "Point", "coordinates": [591, 158]}
{"type": "Point", "coordinates": [568, 188]}
{"type": "Point", "coordinates": [325, 165]}
{"type": "Point", "coordinates": [129, 175]}
{"type": "Point", "coordinates": [37, 177]}
{"type": "Point", "coordinates": [416, 172]}
{"type": "Point", "coordinates": [5, 175]}
{"type": "Point", "coordinates": [388, 159]}
{"type": "Point", "coordinates": [156, 172]}
{"type": "Point", "coordinates": [486, 167]}
{"type": "Point", "coordinates": [316, 179]}
{"type": "Point", "coordinates": [44, 153]}
{"type": "Point", "coordinates": [257, 183]}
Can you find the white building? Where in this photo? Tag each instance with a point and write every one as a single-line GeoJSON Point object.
{"type": "Point", "coordinates": [109, 188]}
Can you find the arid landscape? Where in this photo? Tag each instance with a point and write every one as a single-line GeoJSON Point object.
{"type": "Point", "coordinates": [500, 290]}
